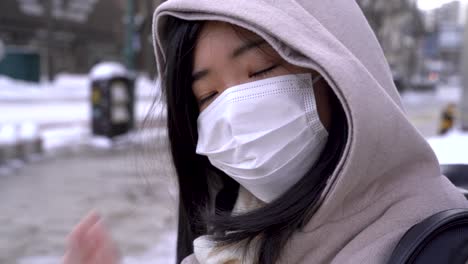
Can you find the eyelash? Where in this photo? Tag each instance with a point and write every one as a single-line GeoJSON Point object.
{"type": "Point", "coordinates": [263, 72]}
{"type": "Point", "coordinates": [207, 98]}
{"type": "Point", "coordinates": [258, 74]}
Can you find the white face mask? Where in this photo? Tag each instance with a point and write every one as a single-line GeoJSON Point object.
{"type": "Point", "coordinates": [266, 135]}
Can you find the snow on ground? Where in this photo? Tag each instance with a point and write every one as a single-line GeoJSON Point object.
{"type": "Point", "coordinates": [62, 104]}
{"type": "Point", "coordinates": [57, 112]}
{"type": "Point", "coordinates": [8, 135]}
{"type": "Point", "coordinates": [66, 136]}
{"type": "Point", "coordinates": [64, 87]}
{"type": "Point", "coordinates": [424, 110]}
{"type": "Point", "coordinates": [63, 100]}
{"type": "Point", "coordinates": [451, 149]}
{"type": "Point", "coordinates": [449, 93]}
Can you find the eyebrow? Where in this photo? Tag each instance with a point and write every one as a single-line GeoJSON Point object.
{"type": "Point", "coordinates": [199, 75]}
{"type": "Point", "coordinates": [235, 54]}
{"type": "Point", "coordinates": [246, 47]}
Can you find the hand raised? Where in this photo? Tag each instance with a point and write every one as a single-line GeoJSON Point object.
{"type": "Point", "coordinates": [90, 243]}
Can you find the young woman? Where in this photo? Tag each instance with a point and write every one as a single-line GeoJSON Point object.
{"type": "Point", "coordinates": [288, 137]}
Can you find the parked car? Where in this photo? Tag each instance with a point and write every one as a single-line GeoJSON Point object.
{"type": "Point", "coordinates": [424, 83]}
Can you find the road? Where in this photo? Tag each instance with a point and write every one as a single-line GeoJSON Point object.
{"type": "Point", "coordinates": [44, 200]}
{"type": "Point", "coordinates": [424, 109]}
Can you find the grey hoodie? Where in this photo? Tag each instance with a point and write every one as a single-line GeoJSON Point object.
{"type": "Point", "coordinates": [389, 178]}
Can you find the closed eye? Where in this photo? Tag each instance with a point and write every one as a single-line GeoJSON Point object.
{"type": "Point", "coordinates": [205, 99]}
{"type": "Point", "coordinates": [263, 72]}
{"type": "Point", "coordinates": [209, 97]}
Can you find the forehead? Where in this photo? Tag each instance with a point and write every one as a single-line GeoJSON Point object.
{"type": "Point", "coordinates": [214, 30]}
{"type": "Point", "coordinates": [220, 37]}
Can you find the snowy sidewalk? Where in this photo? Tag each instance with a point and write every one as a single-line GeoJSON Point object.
{"type": "Point", "coordinates": [127, 185]}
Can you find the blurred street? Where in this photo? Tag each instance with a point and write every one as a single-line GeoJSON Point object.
{"type": "Point", "coordinates": [44, 200]}
{"type": "Point", "coordinates": [424, 108]}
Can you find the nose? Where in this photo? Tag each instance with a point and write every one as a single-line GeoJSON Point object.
{"type": "Point", "coordinates": [233, 79]}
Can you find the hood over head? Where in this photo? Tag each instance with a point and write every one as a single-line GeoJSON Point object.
{"type": "Point", "coordinates": [388, 178]}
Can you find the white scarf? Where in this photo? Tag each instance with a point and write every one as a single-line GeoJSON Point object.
{"type": "Point", "coordinates": [206, 253]}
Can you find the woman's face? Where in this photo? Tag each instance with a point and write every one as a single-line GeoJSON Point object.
{"type": "Point", "coordinates": [227, 56]}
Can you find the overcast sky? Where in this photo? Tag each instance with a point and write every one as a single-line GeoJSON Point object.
{"type": "Point", "coordinates": [432, 4]}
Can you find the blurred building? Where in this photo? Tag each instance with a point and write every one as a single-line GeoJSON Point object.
{"type": "Point", "coordinates": [144, 59]}
{"type": "Point", "coordinates": [443, 41]}
{"type": "Point", "coordinates": [448, 13]}
{"type": "Point", "coordinates": [464, 75]}
{"type": "Point", "coordinates": [399, 27]}
{"type": "Point", "coordinates": [449, 37]}
{"type": "Point", "coordinates": [72, 35]}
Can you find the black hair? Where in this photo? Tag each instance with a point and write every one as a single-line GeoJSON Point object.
{"type": "Point", "coordinates": [206, 208]}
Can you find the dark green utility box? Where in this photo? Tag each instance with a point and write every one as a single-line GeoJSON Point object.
{"type": "Point", "coordinates": [21, 64]}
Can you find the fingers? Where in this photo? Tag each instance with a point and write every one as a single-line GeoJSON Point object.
{"type": "Point", "coordinates": [77, 239]}
{"type": "Point", "coordinates": [79, 232]}
{"type": "Point", "coordinates": [104, 250]}
{"type": "Point", "coordinates": [90, 243]}
{"type": "Point", "coordinates": [96, 240]}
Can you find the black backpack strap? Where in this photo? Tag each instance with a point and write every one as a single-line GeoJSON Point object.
{"type": "Point", "coordinates": [442, 233]}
